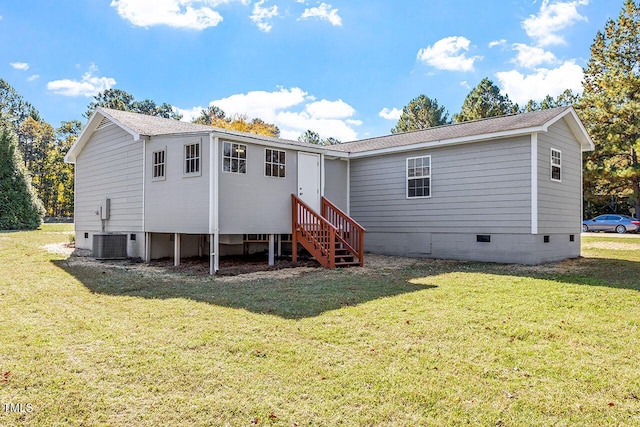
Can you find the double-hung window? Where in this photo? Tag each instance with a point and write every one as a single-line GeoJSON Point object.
{"type": "Point", "coordinates": [159, 162]}
{"type": "Point", "coordinates": [192, 159]}
{"type": "Point", "coordinates": [234, 157]}
{"type": "Point", "coordinates": [274, 163]}
{"type": "Point", "coordinates": [556, 165]}
{"type": "Point", "coordinates": [419, 177]}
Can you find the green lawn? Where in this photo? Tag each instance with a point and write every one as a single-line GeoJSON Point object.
{"type": "Point", "coordinates": [437, 343]}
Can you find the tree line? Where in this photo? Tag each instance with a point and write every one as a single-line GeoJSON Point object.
{"type": "Point", "coordinates": [35, 181]}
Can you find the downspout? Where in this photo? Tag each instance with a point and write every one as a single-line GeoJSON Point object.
{"type": "Point", "coordinates": [144, 197]}
{"type": "Point", "coordinates": [214, 226]}
{"type": "Point", "coordinates": [534, 183]}
{"type": "Point", "coordinates": [349, 187]}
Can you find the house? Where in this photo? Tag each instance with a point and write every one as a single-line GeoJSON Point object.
{"type": "Point", "coordinates": [505, 189]}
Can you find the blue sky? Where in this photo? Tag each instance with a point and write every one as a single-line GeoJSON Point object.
{"type": "Point", "coordinates": [344, 68]}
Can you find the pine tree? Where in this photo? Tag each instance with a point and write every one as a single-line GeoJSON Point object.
{"type": "Point", "coordinates": [485, 101]}
{"type": "Point", "coordinates": [610, 109]}
{"type": "Point", "coordinates": [422, 112]}
{"type": "Point", "coordinates": [20, 207]}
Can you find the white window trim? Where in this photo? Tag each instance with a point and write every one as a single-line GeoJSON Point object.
{"type": "Point", "coordinates": [407, 178]}
{"type": "Point", "coordinates": [246, 160]}
{"type": "Point", "coordinates": [184, 160]}
{"type": "Point", "coordinates": [552, 165]}
{"type": "Point", "coordinates": [153, 165]}
{"type": "Point", "coordinates": [272, 163]}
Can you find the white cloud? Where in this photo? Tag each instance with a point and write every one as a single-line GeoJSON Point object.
{"type": "Point", "coordinates": [191, 14]}
{"type": "Point", "coordinates": [33, 77]}
{"type": "Point", "coordinates": [292, 110]}
{"type": "Point", "coordinates": [89, 85]}
{"type": "Point", "coordinates": [553, 18]}
{"type": "Point", "coordinates": [531, 56]}
{"type": "Point", "coordinates": [329, 109]}
{"type": "Point", "coordinates": [521, 88]}
{"type": "Point", "coordinates": [20, 65]}
{"type": "Point", "coordinates": [448, 54]}
{"type": "Point", "coordinates": [324, 12]}
{"type": "Point", "coordinates": [390, 114]}
{"type": "Point", "coordinates": [262, 16]}
{"type": "Point", "coordinates": [495, 43]}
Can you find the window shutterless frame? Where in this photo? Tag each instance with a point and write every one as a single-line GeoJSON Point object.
{"type": "Point", "coordinates": [159, 165]}
{"type": "Point", "coordinates": [275, 163]}
{"type": "Point", "coordinates": [556, 165]}
{"type": "Point", "coordinates": [192, 159]}
{"type": "Point", "coordinates": [418, 176]}
{"type": "Point", "coordinates": [234, 157]}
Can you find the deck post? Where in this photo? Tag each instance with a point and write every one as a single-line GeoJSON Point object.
{"type": "Point", "coordinates": [271, 250]}
{"type": "Point", "coordinates": [294, 229]}
{"type": "Point", "coordinates": [147, 247]}
{"type": "Point", "coordinates": [176, 249]}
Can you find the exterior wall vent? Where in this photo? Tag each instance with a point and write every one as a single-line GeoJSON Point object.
{"type": "Point", "coordinates": [109, 246]}
{"type": "Point", "coordinates": [483, 238]}
{"type": "Point", "coordinates": [104, 123]}
{"type": "Point", "coordinates": [547, 239]}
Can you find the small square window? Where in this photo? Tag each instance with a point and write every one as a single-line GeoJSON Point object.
{"type": "Point", "coordinates": [234, 157]}
{"type": "Point", "coordinates": [274, 163]}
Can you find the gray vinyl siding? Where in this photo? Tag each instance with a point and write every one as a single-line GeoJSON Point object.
{"type": "Point", "coordinates": [179, 203]}
{"type": "Point", "coordinates": [109, 166]}
{"type": "Point", "coordinates": [335, 182]}
{"type": "Point", "coordinates": [253, 202]}
{"type": "Point", "coordinates": [475, 188]}
{"type": "Point", "coordinates": [559, 203]}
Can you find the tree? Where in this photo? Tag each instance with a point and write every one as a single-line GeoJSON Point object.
{"type": "Point", "coordinates": [118, 99]}
{"type": "Point", "coordinates": [13, 107]}
{"type": "Point", "coordinates": [312, 137]}
{"type": "Point", "coordinates": [210, 116]}
{"type": "Point", "coordinates": [565, 99]}
{"type": "Point", "coordinates": [216, 117]}
{"type": "Point", "coordinates": [421, 113]}
{"type": "Point", "coordinates": [485, 101]}
{"type": "Point", "coordinates": [610, 109]}
{"type": "Point", "coordinates": [20, 207]}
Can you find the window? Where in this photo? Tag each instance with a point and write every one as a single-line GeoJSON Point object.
{"type": "Point", "coordinates": [192, 159]}
{"type": "Point", "coordinates": [419, 177]}
{"type": "Point", "coordinates": [159, 164]}
{"type": "Point", "coordinates": [274, 163]}
{"type": "Point", "coordinates": [234, 157]}
{"type": "Point", "coordinates": [556, 165]}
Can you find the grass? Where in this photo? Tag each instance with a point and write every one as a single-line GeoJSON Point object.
{"type": "Point", "coordinates": [437, 343]}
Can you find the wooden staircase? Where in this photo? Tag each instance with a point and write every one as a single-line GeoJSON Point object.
{"type": "Point", "coordinates": [332, 237]}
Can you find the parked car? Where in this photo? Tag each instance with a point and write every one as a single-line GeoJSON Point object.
{"type": "Point", "coordinates": [618, 223]}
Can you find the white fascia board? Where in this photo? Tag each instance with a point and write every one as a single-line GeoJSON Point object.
{"type": "Point", "coordinates": [258, 141]}
{"type": "Point", "coordinates": [576, 126]}
{"type": "Point", "coordinates": [448, 142]}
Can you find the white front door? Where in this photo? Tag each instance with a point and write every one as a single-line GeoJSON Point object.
{"type": "Point", "coordinates": [309, 179]}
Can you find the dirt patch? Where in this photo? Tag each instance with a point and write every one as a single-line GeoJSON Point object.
{"type": "Point", "coordinates": [232, 269]}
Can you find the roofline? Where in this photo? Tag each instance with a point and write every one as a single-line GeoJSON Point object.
{"type": "Point", "coordinates": [579, 131]}
{"type": "Point", "coordinates": [89, 128]}
{"type": "Point", "coordinates": [447, 142]}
